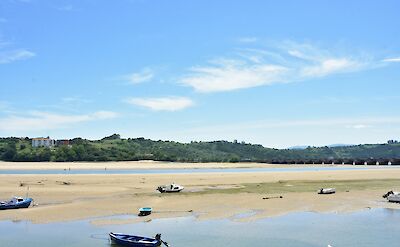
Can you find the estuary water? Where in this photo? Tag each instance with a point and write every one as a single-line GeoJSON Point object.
{"type": "Point", "coordinates": [377, 227]}
{"type": "Point", "coordinates": [297, 168]}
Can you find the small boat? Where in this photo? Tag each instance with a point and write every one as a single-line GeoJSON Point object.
{"type": "Point", "coordinates": [327, 191]}
{"type": "Point", "coordinates": [136, 241]}
{"type": "Point", "coordinates": [15, 203]}
{"type": "Point", "coordinates": [170, 188]}
{"type": "Point", "coordinates": [392, 196]}
{"type": "Point", "coordinates": [145, 211]}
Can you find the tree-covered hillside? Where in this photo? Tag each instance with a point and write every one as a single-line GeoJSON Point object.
{"type": "Point", "coordinates": [113, 148]}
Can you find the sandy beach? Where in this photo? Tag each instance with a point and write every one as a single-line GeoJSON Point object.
{"type": "Point", "coordinates": [206, 195]}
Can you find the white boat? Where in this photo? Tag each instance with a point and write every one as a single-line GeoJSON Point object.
{"type": "Point", "coordinates": [170, 188]}
{"type": "Point", "coordinates": [392, 196]}
{"type": "Point", "coordinates": [327, 191]}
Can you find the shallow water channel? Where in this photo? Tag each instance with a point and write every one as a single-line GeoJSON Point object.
{"type": "Point", "coordinates": [376, 227]}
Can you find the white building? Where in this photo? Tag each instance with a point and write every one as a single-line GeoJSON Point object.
{"type": "Point", "coordinates": [43, 142]}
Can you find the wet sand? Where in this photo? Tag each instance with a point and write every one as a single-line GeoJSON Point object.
{"type": "Point", "coordinates": [207, 196]}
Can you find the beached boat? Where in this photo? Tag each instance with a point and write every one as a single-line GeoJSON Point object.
{"type": "Point", "coordinates": [170, 188]}
{"type": "Point", "coordinates": [15, 203]}
{"type": "Point", "coordinates": [136, 241]}
{"type": "Point", "coordinates": [392, 196]}
{"type": "Point", "coordinates": [145, 211]}
{"type": "Point", "coordinates": [327, 191]}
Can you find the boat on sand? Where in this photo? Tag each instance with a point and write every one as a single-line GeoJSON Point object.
{"type": "Point", "coordinates": [15, 203]}
{"type": "Point", "coordinates": [145, 211]}
{"type": "Point", "coordinates": [169, 188]}
{"type": "Point", "coordinates": [327, 191]}
{"type": "Point", "coordinates": [392, 196]}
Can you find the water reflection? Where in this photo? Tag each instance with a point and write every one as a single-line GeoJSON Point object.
{"type": "Point", "coordinates": [377, 227]}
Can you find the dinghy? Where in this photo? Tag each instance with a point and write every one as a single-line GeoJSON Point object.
{"type": "Point", "coordinates": [327, 191]}
{"type": "Point", "coordinates": [136, 241]}
{"type": "Point", "coordinates": [392, 196]}
{"type": "Point", "coordinates": [170, 188]}
{"type": "Point", "coordinates": [15, 203]}
{"type": "Point", "coordinates": [145, 211]}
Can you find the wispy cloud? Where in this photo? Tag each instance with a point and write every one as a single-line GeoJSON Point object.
{"type": "Point", "coordinates": [359, 126]}
{"type": "Point", "coordinates": [288, 63]}
{"type": "Point", "coordinates": [75, 100]}
{"type": "Point", "coordinates": [163, 103]}
{"type": "Point", "coordinates": [67, 8]}
{"type": "Point", "coordinates": [3, 20]}
{"type": "Point", "coordinates": [356, 123]}
{"type": "Point", "coordinates": [3, 105]}
{"type": "Point", "coordinates": [37, 120]}
{"type": "Point", "coordinates": [144, 75]}
{"type": "Point", "coordinates": [248, 39]}
{"type": "Point", "coordinates": [227, 76]}
{"type": "Point", "coordinates": [330, 66]}
{"type": "Point", "coordinates": [392, 60]}
{"type": "Point", "coordinates": [15, 55]}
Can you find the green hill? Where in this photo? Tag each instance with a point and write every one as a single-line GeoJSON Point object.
{"type": "Point", "coordinates": [113, 148]}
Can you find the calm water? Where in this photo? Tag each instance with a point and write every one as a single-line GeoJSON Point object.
{"type": "Point", "coordinates": [199, 170]}
{"type": "Point", "coordinates": [378, 227]}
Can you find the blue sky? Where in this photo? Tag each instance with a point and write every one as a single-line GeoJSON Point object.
{"type": "Point", "coordinates": [276, 73]}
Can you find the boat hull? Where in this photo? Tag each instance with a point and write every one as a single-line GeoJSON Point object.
{"type": "Point", "coordinates": [24, 204]}
{"type": "Point", "coordinates": [394, 198]}
{"type": "Point", "coordinates": [327, 191]}
{"type": "Point", "coordinates": [145, 211]}
{"type": "Point", "coordinates": [133, 241]}
{"type": "Point", "coordinates": [169, 191]}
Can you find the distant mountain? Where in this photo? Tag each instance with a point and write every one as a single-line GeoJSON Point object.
{"type": "Point", "coordinates": [114, 148]}
{"type": "Point", "coordinates": [340, 145]}
{"type": "Point", "coordinates": [298, 147]}
{"type": "Point", "coordinates": [331, 146]}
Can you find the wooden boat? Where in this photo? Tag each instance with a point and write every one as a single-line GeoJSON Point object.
{"type": "Point", "coordinates": [392, 196]}
{"type": "Point", "coordinates": [170, 188]}
{"type": "Point", "coordinates": [136, 241]}
{"type": "Point", "coordinates": [15, 203]}
{"type": "Point", "coordinates": [327, 191]}
{"type": "Point", "coordinates": [145, 211]}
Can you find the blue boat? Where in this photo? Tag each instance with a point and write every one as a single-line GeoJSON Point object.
{"type": "Point", "coordinates": [136, 241]}
{"type": "Point", "coordinates": [15, 203]}
{"type": "Point", "coordinates": [145, 211]}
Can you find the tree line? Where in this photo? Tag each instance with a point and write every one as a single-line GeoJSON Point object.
{"type": "Point", "coordinates": [114, 148]}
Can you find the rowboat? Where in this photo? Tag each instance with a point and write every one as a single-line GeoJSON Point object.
{"type": "Point", "coordinates": [392, 196]}
{"type": "Point", "coordinates": [15, 203]}
{"type": "Point", "coordinates": [170, 188]}
{"type": "Point", "coordinates": [145, 211]}
{"type": "Point", "coordinates": [327, 191]}
{"type": "Point", "coordinates": [136, 241]}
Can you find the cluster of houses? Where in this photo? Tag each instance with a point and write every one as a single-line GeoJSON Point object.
{"type": "Point", "coordinates": [48, 142]}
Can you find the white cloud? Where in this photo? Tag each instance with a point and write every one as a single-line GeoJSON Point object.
{"type": "Point", "coordinates": [15, 55]}
{"type": "Point", "coordinates": [229, 76]}
{"type": "Point", "coordinates": [330, 66]}
{"type": "Point", "coordinates": [37, 120]}
{"type": "Point", "coordinates": [144, 75]}
{"type": "Point", "coordinates": [162, 104]}
{"type": "Point", "coordinates": [392, 60]}
{"type": "Point", "coordinates": [67, 8]}
{"type": "Point", "coordinates": [359, 126]}
{"type": "Point", "coordinates": [254, 68]}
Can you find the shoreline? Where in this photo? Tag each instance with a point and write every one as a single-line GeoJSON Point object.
{"type": "Point", "coordinates": [113, 165]}
{"type": "Point", "coordinates": [67, 197]}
